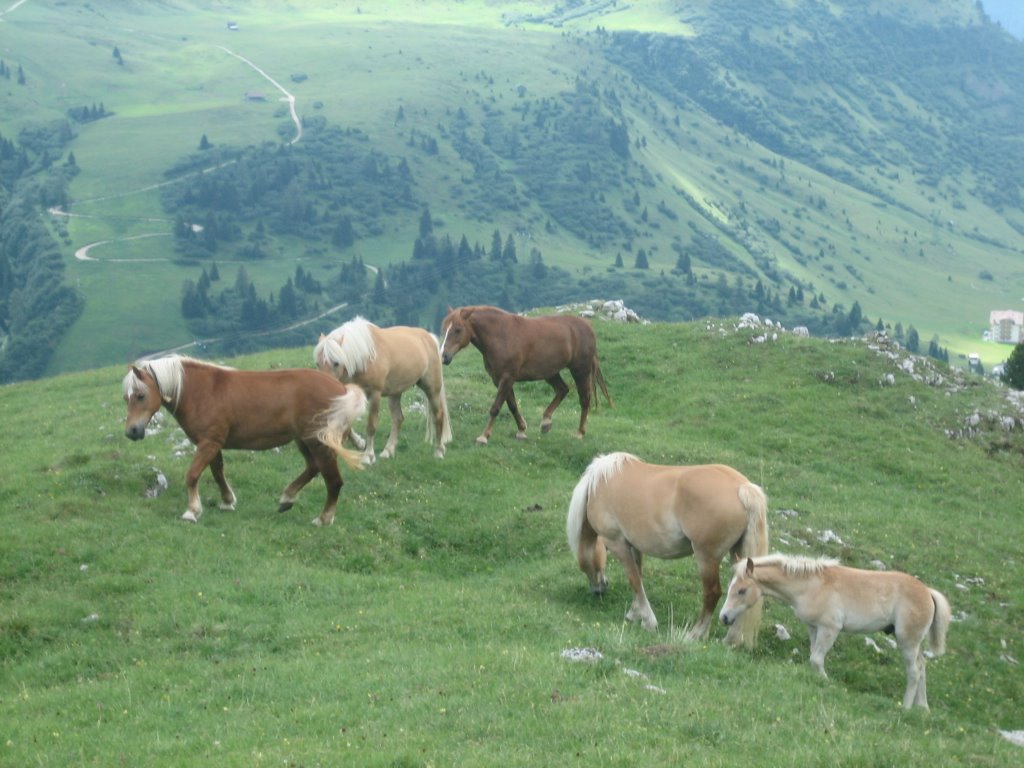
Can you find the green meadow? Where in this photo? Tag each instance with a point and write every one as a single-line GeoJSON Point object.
{"type": "Point", "coordinates": [427, 626]}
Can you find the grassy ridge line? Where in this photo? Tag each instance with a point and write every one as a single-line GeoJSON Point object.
{"type": "Point", "coordinates": [425, 627]}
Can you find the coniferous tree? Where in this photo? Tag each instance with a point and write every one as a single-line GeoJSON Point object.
{"type": "Point", "coordinates": [1013, 370]}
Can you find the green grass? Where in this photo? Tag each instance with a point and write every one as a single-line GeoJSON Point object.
{"type": "Point", "coordinates": [426, 626]}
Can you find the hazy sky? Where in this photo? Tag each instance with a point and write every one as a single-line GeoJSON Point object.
{"type": "Point", "coordinates": [1009, 13]}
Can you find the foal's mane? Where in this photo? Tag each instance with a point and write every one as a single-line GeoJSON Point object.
{"type": "Point", "coordinates": [357, 349]}
{"type": "Point", "coordinates": [797, 566]}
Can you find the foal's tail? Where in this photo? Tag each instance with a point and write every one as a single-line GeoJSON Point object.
{"type": "Point", "coordinates": [338, 420]}
{"type": "Point", "coordinates": [753, 544]}
{"type": "Point", "coordinates": [940, 623]}
{"type": "Point", "coordinates": [597, 380]}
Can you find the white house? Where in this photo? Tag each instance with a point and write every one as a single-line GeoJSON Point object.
{"type": "Point", "coordinates": [1006, 326]}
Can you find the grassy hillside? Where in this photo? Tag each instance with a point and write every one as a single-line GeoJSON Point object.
{"type": "Point", "coordinates": [427, 626]}
{"type": "Point", "coordinates": [799, 139]}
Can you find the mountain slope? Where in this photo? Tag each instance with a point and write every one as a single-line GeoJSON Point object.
{"type": "Point", "coordinates": [861, 154]}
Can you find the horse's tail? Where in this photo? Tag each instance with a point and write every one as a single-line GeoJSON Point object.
{"type": "Point", "coordinates": [337, 423]}
{"type": "Point", "coordinates": [442, 402]}
{"type": "Point", "coordinates": [597, 380]}
{"type": "Point", "coordinates": [940, 623]}
{"type": "Point", "coordinates": [754, 544]}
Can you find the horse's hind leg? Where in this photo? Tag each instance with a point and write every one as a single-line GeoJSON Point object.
{"type": "Point", "coordinates": [913, 659]}
{"type": "Point", "coordinates": [227, 495]}
{"type": "Point", "coordinates": [328, 464]}
{"type": "Point", "coordinates": [373, 415]}
{"type": "Point", "coordinates": [584, 386]}
{"type": "Point", "coordinates": [561, 390]}
{"type": "Point", "coordinates": [292, 491]}
{"type": "Point", "coordinates": [397, 417]}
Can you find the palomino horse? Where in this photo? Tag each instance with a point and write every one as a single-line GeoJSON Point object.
{"type": "Point", "coordinates": [831, 598]}
{"type": "Point", "coordinates": [386, 362]}
{"type": "Point", "coordinates": [517, 348]}
{"type": "Point", "coordinates": [220, 407]}
{"type": "Point", "coordinates": [633, 508]}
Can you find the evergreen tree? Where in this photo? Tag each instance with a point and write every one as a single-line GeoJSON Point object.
{"type": "Point", "coordinates": [508, 253]}
{"type": "Point", "coordinates": [204, 143]}
{"type": "Point", "coordinates": [1013, 370]}
{"type": "Point", "coordinates": [426, 223]}
{"type": "Point", "coordinates": [495, 253]}
{"type": "Point", "coordinates": [913, 340]}
{"type": "Point", "coordinates": [641, 260]}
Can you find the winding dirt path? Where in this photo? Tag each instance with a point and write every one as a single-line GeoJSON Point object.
{"type": "Point", "coordinates": [287, 96]}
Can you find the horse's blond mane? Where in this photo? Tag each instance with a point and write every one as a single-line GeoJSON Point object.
{"type": "Point", "coordinates": [356, 350]}
{"type": "Point", "coordinates": [169, 374]}
{"type": "Point", "coordinates": [796, 566]}
{"type": "Point", "coordinates": [604, 466]}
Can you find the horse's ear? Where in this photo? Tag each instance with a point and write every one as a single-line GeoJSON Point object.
{"type": "Point", "coordinates": [750, 567]}
{"type": "Point", "coordinates": [134, 369]}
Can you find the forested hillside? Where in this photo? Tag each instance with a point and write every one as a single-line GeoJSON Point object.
{"type": "Point", "coordinates": [841, 167]}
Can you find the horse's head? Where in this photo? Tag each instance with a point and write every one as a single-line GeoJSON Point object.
{"type": "Point", "coordinates": [744, 592]}
{"type": "Point", "coordinates": [329, 357]}
{"type": "Point", "coordinates": [142, 396]}
{"type": "Point", "coordinates": [456, 333]}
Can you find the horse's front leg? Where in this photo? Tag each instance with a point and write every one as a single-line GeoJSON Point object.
{"type": "Point", "coordinates": [823, 637]}
{"type": "Point", "coordinates": [206, 452]}
{"type": "Point", "coordinates": [289, 494]}
{"type": "Point", "coordinates": [227, 495]}
{"type": "Point", "coordinates": [633, 562]}
{"type": "Point", "coordinates": [561, 390]}
{"type": "Point", "coordinates": [397, 417]}
{"type": "Point", "coordinates": [507, 396]}
{"type": "Point", "coordinates": [369, 454]}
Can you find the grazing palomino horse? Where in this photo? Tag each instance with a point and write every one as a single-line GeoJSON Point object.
{"type": "Point", "coordinates": [386, 362]}
{"type": "Point", "coordinates": [831, 598]}
{"type": "Point", "coordinates": [517, 348]}
{"type": "Point", "coordinates": [220, 408]}
{"type": "Point", "coordinates": [633, 508]}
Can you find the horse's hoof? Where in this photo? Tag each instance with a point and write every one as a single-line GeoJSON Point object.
{"type": "Point", "coordinates": [190, 517]}
{"type": "Point", "coordinates": [481, 440]}
{"type": "Point", "coordinates": [319, 522]}
{"type": "Point", "coordinates": [284, 506]}
{"type": "Point", "coordinates": [226, 507]}
{"type": "Point", "coordinates": [520, 435]}
{"type": "Point", "coordinates": [545, 427]}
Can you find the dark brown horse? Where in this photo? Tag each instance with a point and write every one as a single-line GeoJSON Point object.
{"type": "Point", "coordinates": [517, 348]}
{"type": "Point", "coordinates": [220, 407]}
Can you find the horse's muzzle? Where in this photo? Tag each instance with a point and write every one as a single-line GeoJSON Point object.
{"type": "Point", "coordinates": [446, 358]}
{"type": "Point", "coordinates": [135, 431]}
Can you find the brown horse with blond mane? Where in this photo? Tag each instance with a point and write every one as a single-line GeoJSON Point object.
{"type": "Point", "coordinates": [517, 348]}
{"type": "Point", "coordinates": [633, 508]}
{"type": "Point", "coordinates": [386, 362]}
{"type": "Point", "coordinates": [219, 407]}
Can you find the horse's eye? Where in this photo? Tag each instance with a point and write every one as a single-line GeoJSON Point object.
{"type": "Point", "coordinates": [742, 592]}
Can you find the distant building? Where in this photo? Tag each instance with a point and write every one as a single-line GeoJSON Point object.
{"type": "Point", "coordinates": [255, 96]}
{"type": "Point", "coordinates": [233, 26]}
{"type": "Point", "coordinates": [1006, 326]}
